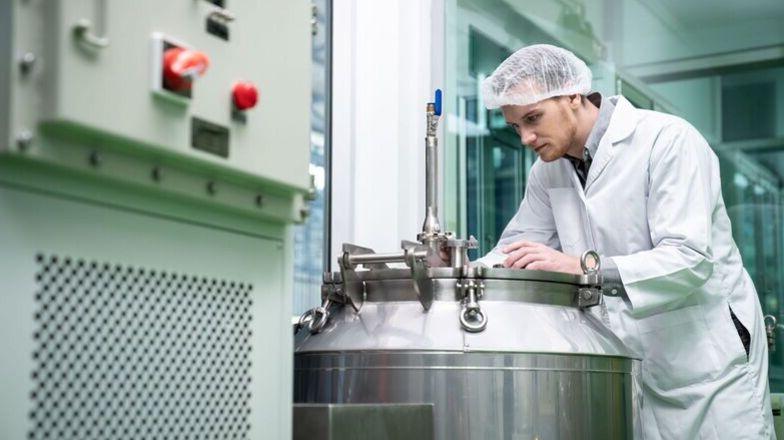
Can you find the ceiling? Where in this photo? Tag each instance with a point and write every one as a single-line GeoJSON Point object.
{"type": "Point", "coordinates": [715, 12]}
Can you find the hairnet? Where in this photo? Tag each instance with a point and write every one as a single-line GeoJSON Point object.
{"type": "Point", "coordinates": [534, 73]}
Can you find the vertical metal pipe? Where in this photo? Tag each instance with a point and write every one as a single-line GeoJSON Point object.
{"type": "Point", "coordinates": [431, 225]}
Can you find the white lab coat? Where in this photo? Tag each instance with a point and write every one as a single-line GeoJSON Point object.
{"type": "Point", "coordinates": [652, 203]}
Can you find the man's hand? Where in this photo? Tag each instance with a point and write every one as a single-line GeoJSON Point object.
{"type": "Point", "coordinates": [535, 256]}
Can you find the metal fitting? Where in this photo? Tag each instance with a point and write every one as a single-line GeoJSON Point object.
{"type": "Point", "coordinates": [24, 139]}
{"type": "Point", "coordinates": [94, 159]}
{"type": "Point", "coordinates": [156, 174]}
{"type": "Point", "coordinates": [27, 62]}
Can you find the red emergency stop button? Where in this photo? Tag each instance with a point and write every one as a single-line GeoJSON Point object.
{"type": "Point", "coordinates": [182, 66]}
{"type": "Point", "coordinates": [245, 95]}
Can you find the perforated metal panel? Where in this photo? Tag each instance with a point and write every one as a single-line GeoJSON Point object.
{"type": "Point", "coordinates": [134, 352]}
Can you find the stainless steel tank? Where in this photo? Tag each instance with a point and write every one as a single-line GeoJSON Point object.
{"type": "Point", "coordinates": [541, 368]}
{"type": "Point", "coordinates": [499, 353]}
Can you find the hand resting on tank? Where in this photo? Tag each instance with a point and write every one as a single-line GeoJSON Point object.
{"type": "Point", "coordinates": [536, 256]}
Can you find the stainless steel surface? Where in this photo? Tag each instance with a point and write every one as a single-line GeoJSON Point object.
{"type": "Point", "coordinates": [540, 367]}
{"type": "Point", "coordinates": [363, 422]}
{"type": "Point", "coordinates": [484, 395]}
{"type": "Point", "coordinates": [524, 317]}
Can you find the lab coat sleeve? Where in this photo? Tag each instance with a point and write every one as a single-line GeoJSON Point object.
{"type": "Point", "coordinates": [533, 220]}
{"type": "Point", "coordinates": [682, 196]}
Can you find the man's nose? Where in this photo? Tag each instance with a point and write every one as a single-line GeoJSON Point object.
{"type": "Point", "coordinates": [528, 137]}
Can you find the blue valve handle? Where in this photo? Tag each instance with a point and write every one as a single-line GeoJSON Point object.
{"type": "Point", "coordinates": [437, 102]}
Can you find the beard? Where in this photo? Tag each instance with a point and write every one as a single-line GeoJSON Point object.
{"type": "Point", "coordinates": [561, 143]}
{"type": "Point", "coordinates": [566, 139]}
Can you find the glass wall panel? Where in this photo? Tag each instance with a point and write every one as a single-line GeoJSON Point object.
{"type": "Point", "coordinates": [311, 238]}
{"type": "Point", "coordinates": [719, 64]}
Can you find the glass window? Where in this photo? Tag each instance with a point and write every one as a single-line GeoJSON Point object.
{"type": "Point", "coordinates": [311, 238]}
{"type": "Point", "coordinates": [719, 66]}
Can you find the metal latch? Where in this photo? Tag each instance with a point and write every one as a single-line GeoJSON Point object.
{"type": "Point", "coordinates": [591, 295]}
{"type": "Point", "coordinates": [331, 293]}
{"type": "Point", "coordinates": [472, 318]}
{"type": "Point", "coordinates": [771, 325]}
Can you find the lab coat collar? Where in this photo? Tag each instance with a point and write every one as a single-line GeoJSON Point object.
{"type": "Point", "coordinates": [622, 125]}
{"type": "Point", "coordinates": [623, 121]}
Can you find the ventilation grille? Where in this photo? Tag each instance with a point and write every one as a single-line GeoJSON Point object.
{"type": "Point", "coordinates": [124, 352]}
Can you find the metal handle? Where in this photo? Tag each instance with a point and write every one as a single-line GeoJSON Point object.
{"type": "Point", "coordinates": [83, 31]}
{"type": "Point", "coordinates": [319, 319]}
{"type": "Point", "coordinates": [221, 14]}
{"type": "Point", "coordinates": [472, 319]}
{"type": "Point", "coordinates": [437, 102]}
{"type": "Point", "coordinates": [584, 261]}
{"type": "Point", "coordinates": [352, 260]}
{"type": "Point", "coordinates": [315, 318]}
{"type": "Point", "coordinates": [304, 319]}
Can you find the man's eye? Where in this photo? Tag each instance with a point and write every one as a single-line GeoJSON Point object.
{"type": "Point", "coordinates": [532, 118]}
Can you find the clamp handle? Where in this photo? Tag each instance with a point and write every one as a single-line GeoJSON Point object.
{"type": "Point", "coordinates": [585, 262]}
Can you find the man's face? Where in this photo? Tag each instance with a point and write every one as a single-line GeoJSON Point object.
{"type": "Point", "coordinates": [548, 127]}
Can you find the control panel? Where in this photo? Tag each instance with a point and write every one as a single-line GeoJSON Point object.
{"type": "Point", "coordinates": [221, 86]}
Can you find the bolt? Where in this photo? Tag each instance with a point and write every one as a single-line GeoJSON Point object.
{"type": "Point", "coordinates": [156, 174]}
{"type": "Point", "coordinates": [95, 158]}
{"type": "Point", "coordinates": [587, 295]}
{"type": "Point", "coordinates": [26, 62]}
{"type": "Point", "coordinates": [24, 140]}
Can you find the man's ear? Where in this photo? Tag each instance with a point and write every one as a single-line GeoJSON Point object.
{"type": "Point", "coordinates": [575, 101]}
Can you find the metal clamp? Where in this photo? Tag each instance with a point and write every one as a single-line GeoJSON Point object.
{"type": "Point", "coordinates": [415, 257]}
{"type": "Point", "coordinates": [472, 318]}
{"type": "Point", "coordinates": [354, 289]}
{"type": "Point", "coordinates": [332, 293]}
{"type": "Point", "coordinates": [590, 296]}
{"type": "Point", "coordinates": [771, 323]}
{"type": "Point", "coordinates": [83, 31]}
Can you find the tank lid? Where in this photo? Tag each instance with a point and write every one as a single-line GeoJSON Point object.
{"type": "Point", "coordinates": [470, 272]}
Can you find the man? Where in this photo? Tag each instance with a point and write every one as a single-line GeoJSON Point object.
{"type": "Point", "coordinates": [642, 189]}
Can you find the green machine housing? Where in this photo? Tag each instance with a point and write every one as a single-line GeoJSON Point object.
{"type": "Point", "coordinates": [145, 230]}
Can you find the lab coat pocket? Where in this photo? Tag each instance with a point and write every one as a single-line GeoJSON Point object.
{"type": "Point", "coordinates": [568, 215]}
{"type": "Point", "coordinates": [678, 349]}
